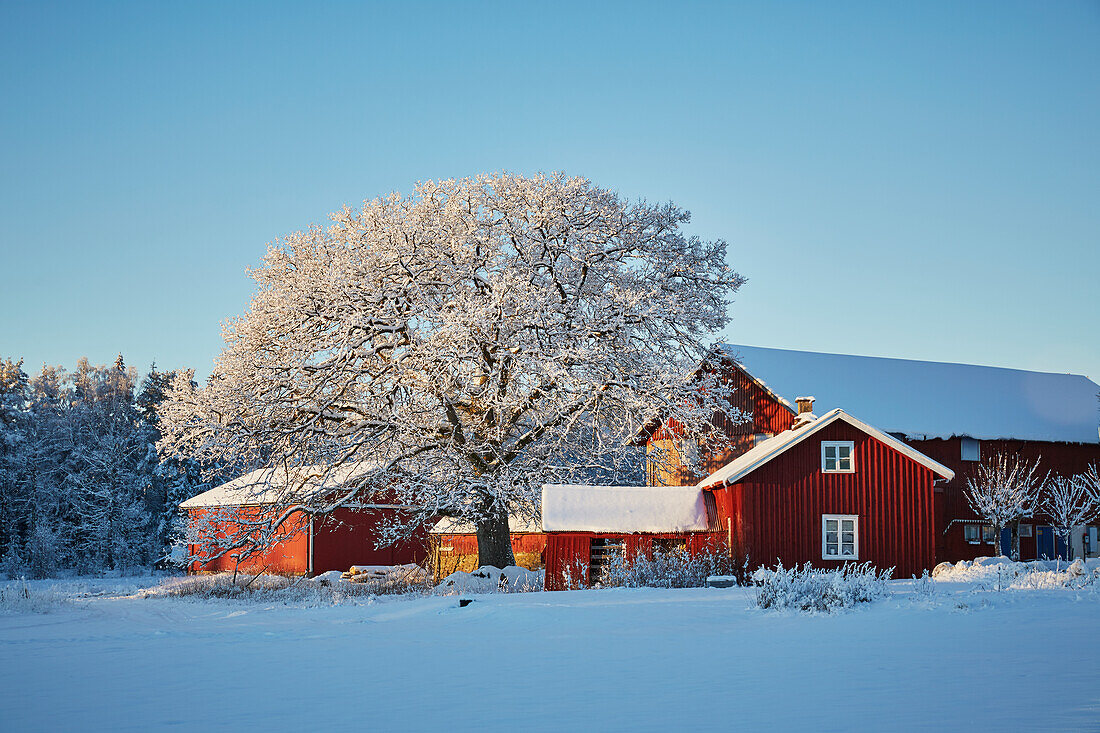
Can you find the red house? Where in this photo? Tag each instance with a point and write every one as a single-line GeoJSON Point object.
{"type": "Point", "coordinates": [305, 545]}
{"type": "Point", "coordinates": [956, 414]}
{"type": "Point", "coordinates": [830, 490]}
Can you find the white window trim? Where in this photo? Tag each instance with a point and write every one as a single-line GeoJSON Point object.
{"type": "Point", "coordinates": [850, 445]}
{"type": "Point", "coordinates": [839, 519]}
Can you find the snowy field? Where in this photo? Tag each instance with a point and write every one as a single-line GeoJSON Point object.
{"type": "Point", "coordinates": [96, 656]}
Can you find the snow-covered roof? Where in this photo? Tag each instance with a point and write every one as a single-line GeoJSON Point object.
{"type": "Point", "coordinates": [449, 525]}
{"type": "Point", "coordinates": [768, 449]}
{"type": "Point", "coordinates": [572, 508]}
{"type": "Point", "coordinates": [930, 399]}
{"type": "Point", "coordinates": [268, 485]}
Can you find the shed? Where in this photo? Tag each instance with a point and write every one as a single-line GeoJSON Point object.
{"type": "Point", "coordinates": [589, 526]}
{"type": "Point", "coordinates": [304, 544]}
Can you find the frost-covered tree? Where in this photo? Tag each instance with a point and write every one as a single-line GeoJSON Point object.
{"type": "Point", "coordinates": [14, 426]}
{"type": "Point", "coordinates": [468, 342]}
{"type": "Point", "coordinates": [106, 519]}
{"type": "Point", "coordinates": [1070, 503]}
{"type": "Point", "coordinates": [1003, 490]}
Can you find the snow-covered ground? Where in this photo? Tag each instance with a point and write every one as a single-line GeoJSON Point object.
{"type": "Point", "coordinates": [965, 658]}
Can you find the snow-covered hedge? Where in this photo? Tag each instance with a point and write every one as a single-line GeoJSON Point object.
{"type": "Point", "coordinates": [807, 588]}
{"type": "Point", "coordinates": [489, 579]}
{"type": "Point", "coordinates": [675, 569]}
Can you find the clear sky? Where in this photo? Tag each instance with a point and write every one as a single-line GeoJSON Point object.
{"type": "Point", "coordinates": [918, 180]}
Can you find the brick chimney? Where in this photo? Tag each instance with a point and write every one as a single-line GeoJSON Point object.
{"type": "Point", "coordinates": [805, 404]}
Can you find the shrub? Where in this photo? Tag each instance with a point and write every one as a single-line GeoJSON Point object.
{"type": "Point", "coordinates": [810, 589]}
{"type": "Point", "coordinates": [281, 589]}
{"type": "Point", "coordinates": [672, 569]}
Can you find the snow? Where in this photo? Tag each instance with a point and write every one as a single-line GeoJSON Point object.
{"type": "Point", "coordinates": [452, 525]}
{"type": "Point", "coordinates": [269, 485]}
{"type": "Point", "coordinates": [766, 450]}
{"type": "Point", "coordinates": [573, 508]}
{"type": "Point", "coordinates": [623, 659]}
{"type": "Point", "coordinates": [934, 400]}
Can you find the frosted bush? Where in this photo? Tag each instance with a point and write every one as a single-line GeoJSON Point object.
{"type": "Point", "coordinates": [18, 596]}
{"type": "Point", "coordinates": [673, 569]}
{"type": "Point", "coordinates": [807, 588]}
{"type": "Point", "coordinates": [274, 589]}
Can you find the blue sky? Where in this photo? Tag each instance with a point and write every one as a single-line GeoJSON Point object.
{"type": "Point", "coordinates": [918, 180]}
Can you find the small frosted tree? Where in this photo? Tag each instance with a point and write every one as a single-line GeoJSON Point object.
{"type": "Point", "coordinates": [1003, 490]}
{"type": "Point", "coordinates": [467, 343]}
{"type": "Point", "coordinates": [1070, 503]}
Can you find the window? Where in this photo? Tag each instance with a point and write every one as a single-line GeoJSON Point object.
{"type": "Point", "coordinates": [1026, 530]}
{"type": "Point", "coordinates": [836, 456]}
{"type": "Point", "coordinates": [971, 449]}
{"type": "Point", "coordinates": [839, 537]}
{"type": "Point", "coordinates": [987, 534]}
{"type": "Point", "coordinates": [972, 533]}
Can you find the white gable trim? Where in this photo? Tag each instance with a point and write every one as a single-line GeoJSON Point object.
{"type": "Point", "coordinates": [740, 467]}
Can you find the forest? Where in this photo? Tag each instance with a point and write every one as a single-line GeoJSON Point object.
{"type": "Point", "coordinates": [82, 488]}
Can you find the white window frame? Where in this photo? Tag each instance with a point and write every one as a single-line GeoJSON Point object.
{"type": "Point", "coordinates": [840, 518]}
{"type": "Point", "coordinates": [970, 449]}
{"type": "Point", "coordinates": [1027, 530]}
{"type": "Point", "coordinates": [850, 445]}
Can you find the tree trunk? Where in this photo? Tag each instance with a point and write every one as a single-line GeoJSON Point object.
{"type": "Point", "coordinates": [1015, 552]}
{"type": "Point", "coordinates": [494, 541]}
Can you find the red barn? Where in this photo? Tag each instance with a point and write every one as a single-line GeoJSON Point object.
{"type": "Point", "coordinates": [957, 414]}
{"type": "Point", "coordinates": [305, 545]}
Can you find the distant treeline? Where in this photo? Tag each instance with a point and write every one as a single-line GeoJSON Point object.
{"type": "Point", "coordinates": [81, 486]}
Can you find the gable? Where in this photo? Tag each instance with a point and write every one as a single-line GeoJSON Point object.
{"type": "Point", "coordinates": [775, 448]}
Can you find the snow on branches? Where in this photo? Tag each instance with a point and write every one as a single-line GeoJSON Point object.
{"type": "Point", "coordinates": [1004, 490]}
{"type": "Point", "coordinates": [474, 340]}
{"type": "Point", "coordinates": [1070, 502]}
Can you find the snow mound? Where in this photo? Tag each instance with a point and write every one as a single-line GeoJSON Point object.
{"type": "Point", "coordinates": [489, 579]}
{"type": "Point", "coordinates": [1020, 575]}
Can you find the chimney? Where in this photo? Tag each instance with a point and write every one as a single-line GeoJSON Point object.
{"type": "Point", "coordinates": [805, 404]}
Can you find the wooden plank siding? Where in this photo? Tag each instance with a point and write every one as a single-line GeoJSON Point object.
{"type": "Point", "coordinates": [289, 557]}
{"type": "Point", "coordinates": [776, 510]}
{"type": "Point", "coordinates": [769, 416]}
{"type": "Point", "coordinates": [454, 552]}
{"type": "Point", "coordinates": [341, 539]}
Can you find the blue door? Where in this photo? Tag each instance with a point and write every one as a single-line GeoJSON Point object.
{"type": "Point", "coordinates": [1046, 543]}
{"type": "Point", "coordinates": [1006, 541]}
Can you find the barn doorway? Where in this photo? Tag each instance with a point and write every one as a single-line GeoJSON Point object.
{"type": "Point", "coordinates": [602, 553]}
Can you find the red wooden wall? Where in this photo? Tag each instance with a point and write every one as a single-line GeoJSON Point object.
{"type": "Point", "coordinates": [776, 510]}
{"type": "Point", "coordinates": [347, 537]}
{"type": "Point", "coordinates": [342, 539]}
{"type": "Point", "coordinates": [459, 552]}
{"type": "Point", "coordinates": [571, 551]}
{"type": "Point", "coordinates": [291, 556]}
